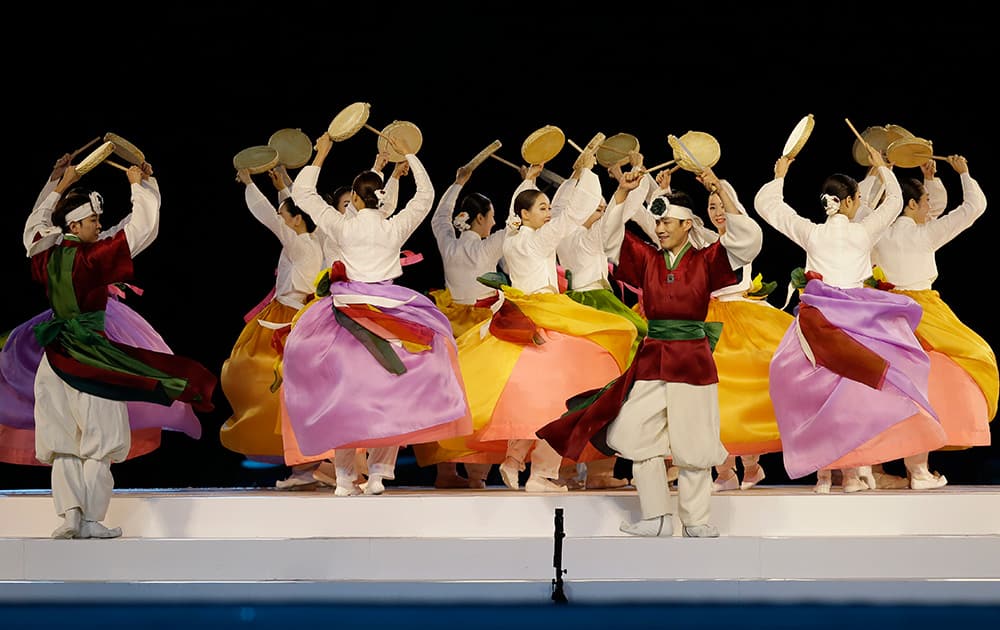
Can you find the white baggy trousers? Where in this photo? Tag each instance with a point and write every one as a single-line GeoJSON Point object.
{"type": "Point", "coordinates": [677, 420]}
{"type": "Point", "coordinates": [80, 435]}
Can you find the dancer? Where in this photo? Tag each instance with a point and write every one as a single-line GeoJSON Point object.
{"type": "Point", "coordinates": [371, 364]}
{"type": "Point", "coordinates": [667, 402]}
{"type": "Point", "coordinates": [849, 381]}
{"type": "Point", "coordinates": [84, 378]}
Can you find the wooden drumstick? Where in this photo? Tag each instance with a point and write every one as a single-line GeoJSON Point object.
{"type": "Point", "coordinates": [660, 166]}
{"type": "Point", "coordinates": [574, 145]}
{"type": "Point", "coordinates": [116, 165]}
{"type": "Point", "coordinates": [83, 148]}
{"type": "Point", "coordinates": [369, 127]}
{"type": "Point", "coordinates": [863, 141]}
{"type": "Point", "coordinates": [507, 162]}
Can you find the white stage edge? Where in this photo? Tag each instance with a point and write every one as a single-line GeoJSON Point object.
{"type": "Point", "coordinates": [778, 544]}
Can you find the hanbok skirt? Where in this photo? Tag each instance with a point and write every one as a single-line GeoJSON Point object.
{"type": "Point", "coordinates": [751, 333]}
{"type": "Point", "coordinates": [338, 395]}
{"type": "Point", "coordinates": [873, 406]}
{"type": "Point", "coordinates": [19, 361]}
{"type": "Point", "coordinates": [964, 380]}
{"type": "Point", "coordinates": [515, 389]}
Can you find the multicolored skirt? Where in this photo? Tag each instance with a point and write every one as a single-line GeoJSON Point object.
{"type": "Point", "coordinates": [964, 380]}
{"type": "Point", "coordinates": [515, 388]}
{"type": "Point", "coordinates": [337, 388]}
{"type": "Point", "coordinates": [849, 381]}
{"type": "Point", "coordinates": [19, 360]}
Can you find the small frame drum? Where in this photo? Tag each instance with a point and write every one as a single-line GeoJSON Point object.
{"type": "Point", "coordinates": [877, 136]}
{"type": "Point", "coordinates": [125, 149]}
{"type": "Point", "coordinates": [542, 145]}
{"type": "Point", "coordinates": [294, 147]}
{"type": "Point", "coordinates": [402, 131]}
{"type": "Point", "coordinates": [910, 152]}
{"type": "Point", "coordinates": [349, 121]}
{"type": "Point", "coordinates": [616, 148]}
{"type": "Point", "coordinates": [703, 146]}
{"type": "Point", "coordinates": [895, 132]}
{"type": "Point", "coordinates": [257, 159]}
{"type": "Point", "coordinates": [797, 139]}
{"type": "Point", "coordinates": [95, 157]}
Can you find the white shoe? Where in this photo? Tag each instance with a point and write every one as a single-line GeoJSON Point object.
{"type": "Point", "coordinates": [701, 531]}
{"type": "Point", "coordinates": [298, 480]}
{"type": "Point", "coordinates": [509, 470]}
{"type": "Point", "coordinates": [346, 491]}
{"type": "Point", "coordinates": [93, 529]}
{"type": "Point", "coordinates": [661, 526]}
{"type": "Point", "coordinates": [537, 483]}
{"type": "Point", "coordinates": [373, 486]}
{"type": "Point", "coordinates": [753, 477]}
{"type": "Point", "coordinates": [326, 474]}
{"type": "Point", "coordinates": [854, 484]}
{"type": "Point", "coordinates": [723, 484]}
{"type": "Point", "coordinates": [866, 475]}
{"type": "Point", "coordinates": [936, 481]}
{"type": "Point", "coordinates": [71, 525]}
{"type": "Point", "coordinates": [822, 486]}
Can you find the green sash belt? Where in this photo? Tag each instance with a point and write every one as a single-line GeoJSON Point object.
{"type": "Point", "coordinates": [684, 329]}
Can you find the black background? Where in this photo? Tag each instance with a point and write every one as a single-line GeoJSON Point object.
{"type": "Point", "coordinates": [191, 84]}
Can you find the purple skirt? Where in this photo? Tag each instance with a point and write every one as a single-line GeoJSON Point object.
{"type": "Point", "coordinates": [337, 394]}
{"type": "Point", "coordinates": [21, 355]}
{"type": "Point", "coordinates": [822, 415]}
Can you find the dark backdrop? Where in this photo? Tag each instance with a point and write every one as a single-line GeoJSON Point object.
{"type": "Point", "coordinates": [193, 84]}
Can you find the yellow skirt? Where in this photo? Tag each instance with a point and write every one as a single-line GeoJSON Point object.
{"type": "Point", "coordinates": [750, 334]}
{"type": "Point", "coordinates": [515, 389]}
{"type": "Point", "coordinates": [254, 429]}
{"type": "Point", "coordinates": [964, 381]}
{"type": "Point", "coordinates": [462, 316]}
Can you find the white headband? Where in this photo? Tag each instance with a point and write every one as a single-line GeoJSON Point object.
{"type": "Point", "coordinates": [700, 236]}
{"type": "Point", "coordinates": [81, 212]}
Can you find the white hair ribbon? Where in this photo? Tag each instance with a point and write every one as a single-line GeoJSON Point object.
{"type": "Point", "coordinates": [461, 221]}
{"type": "Point", "coordinates": [831, 203]}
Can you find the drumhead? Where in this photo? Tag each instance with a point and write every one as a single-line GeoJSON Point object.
{"type": "Point", "coordinates": [348, 121]}
{"type": "Point", "coordinates": [877, 136]}
{"type": "Point", "coordinates": [616, 148]}
{"type": "Point", "coordinates": [910, 152]}
{"type": "Point", "coordinates": [797, 139]}
{"type": "Point", "coordinates": [485, 153]}
{"type": "Point", "coordinates": [294, 147]}
{"type": "Point", "coordinates": [257, 159]}
{"type": "Point", "coordinates": [400, 130]}
{"type": "Point", "coordinates": [702, 145]}
{"type": "Point", "coordinates": [125, 149]}
{"type": "Point", "coordinates": [542, 145]}
{"type": "Point", "coordinates": [95, 157]}
{"type": "Point", "coordinates": [895, 132]}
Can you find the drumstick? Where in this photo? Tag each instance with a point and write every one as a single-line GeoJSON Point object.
{"type": "Point", "coordinates": [507, 162]}
{"type": "Point", "coordinates": [574, 145]}
{"type": "Point", "coordinates": [863, 141]}
{"type": "Point", "coordinates": [116, 165]}
{"type": "Point", "coordinates": [367, 126]}
{"type": "Point", "coordinates": [659, 166]}
{"type": "Point", "coordinates": [83, 148]}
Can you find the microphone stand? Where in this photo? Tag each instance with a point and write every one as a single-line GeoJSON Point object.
{"type": "Point", "coordinates": [558, 595]}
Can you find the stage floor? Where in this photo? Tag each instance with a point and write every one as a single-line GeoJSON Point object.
{"type": "Point", "coordinates": [779, 544]}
